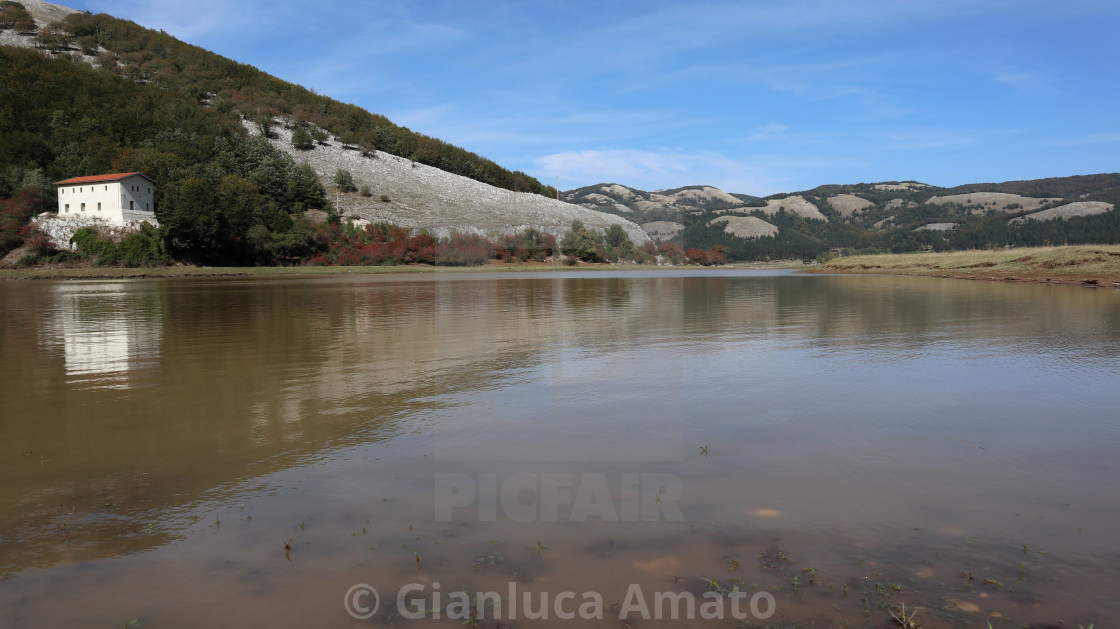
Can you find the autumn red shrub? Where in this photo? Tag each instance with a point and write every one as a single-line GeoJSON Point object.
{"type": "Point", "coordinates": [15, 214]}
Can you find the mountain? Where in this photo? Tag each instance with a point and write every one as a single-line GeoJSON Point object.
{"type": "Point", "coordinates": [645, 206]}
{"type": "Point", "coordinates": [888, 216]}
{"type": "Point", "coordinates": [86, 94]}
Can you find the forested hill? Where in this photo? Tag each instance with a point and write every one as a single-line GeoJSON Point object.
{"type": "Point", "coordinates": [235, 89]}
{"type": "Point", "coordinates": [872, 217]}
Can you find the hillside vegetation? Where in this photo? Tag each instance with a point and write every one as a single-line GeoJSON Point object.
{"type": "Point", "coordinates": [60, 118]}
{"type": "Point", "coordinates": [236, 89]}
{"type": "Point", "coordinates": [875, 217]}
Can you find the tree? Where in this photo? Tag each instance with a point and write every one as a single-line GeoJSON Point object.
{"type": "Point", "coordinates": [301, 140]}
{"type": "Point", "coordinates": [344, 180]}
{"type": "Point", "coordinates": [616, 235]}
{"type": "Point", "coordinates": [192, 220]}
{"type": "Point", "coordinates": [584, 243]}
{"type": "Point", "coordinates": [264, 125]}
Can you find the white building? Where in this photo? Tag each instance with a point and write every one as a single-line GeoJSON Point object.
{"type": "Point", "coordinates": [119, 198]}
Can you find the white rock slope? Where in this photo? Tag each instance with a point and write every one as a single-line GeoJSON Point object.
{"type": "Point", "coordinates": [746, 226]}
{"type": "Point", "coordinates": [795, 204]}
{"type": "Point", "coordinates": [422, 197]}
{"type": "Point", "coordinates": [1069, 210]}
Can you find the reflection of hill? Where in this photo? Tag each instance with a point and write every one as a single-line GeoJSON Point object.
{"type": "Point", "coordinates": [138, 402]}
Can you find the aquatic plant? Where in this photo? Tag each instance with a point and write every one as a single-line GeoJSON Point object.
{"type": "Point", "coordinates": [904, 620]}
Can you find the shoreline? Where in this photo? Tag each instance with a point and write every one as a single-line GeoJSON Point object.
{"type": "Point", "coordinates": [171, 272]}
{"type": "Point", "coordinates": [1081, 265]}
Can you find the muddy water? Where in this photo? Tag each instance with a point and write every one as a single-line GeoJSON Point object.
{"type": "Point", "coordinates": [228, 452]}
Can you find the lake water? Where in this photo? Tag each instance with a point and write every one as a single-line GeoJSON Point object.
{"type": "Point", "coordinates": [242, 452]}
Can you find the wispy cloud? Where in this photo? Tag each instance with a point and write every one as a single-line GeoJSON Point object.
{"type": "Point", "coordinates": [1094, 138]}
{"type": "Point", "coordinates": [767, 132]}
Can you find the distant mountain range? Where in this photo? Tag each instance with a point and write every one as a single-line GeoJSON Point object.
{"type": "Point", "coordinates": [886, 216]}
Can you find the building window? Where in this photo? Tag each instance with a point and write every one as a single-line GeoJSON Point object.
{"type": "Point", "coordinates": [67, 208]}
{"type": "Point", "coordinates": [130, 204]}
{"type": "Point", "coordinates": [106, 187]}
{"type": "Point", "coordinates": [147, 207]}
{"type": "Point", "coordinates": [83, 207]}
{"type": "Point", "coordinates": [98, 206]}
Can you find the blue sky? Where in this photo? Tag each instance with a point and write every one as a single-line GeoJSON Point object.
{"type": "Point", "coordinates": [752, 97]}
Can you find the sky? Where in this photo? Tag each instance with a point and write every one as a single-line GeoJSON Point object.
{"type": "Point", "coordinates": [754, 97]}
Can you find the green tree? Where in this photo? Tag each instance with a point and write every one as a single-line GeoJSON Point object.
{"type": "Point", "coordinates": [616, 235]}
{"type": "Point", "coordinates": [192, 220]}
{"type": "Point", "coordinates": [586, 244]}
{"type": "Point", "coordinates": [344, 180]}
{"type": "Point", "coordinates": [301, 140]}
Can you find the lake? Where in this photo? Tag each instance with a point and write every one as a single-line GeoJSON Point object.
{"type": "Point", "coordinates": [255, 452]}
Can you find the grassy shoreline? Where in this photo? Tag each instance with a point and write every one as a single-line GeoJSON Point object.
{"type": "Point", "coordinates": [1091, 265]}
{"type": "Point", "coordinates": [93, 272]}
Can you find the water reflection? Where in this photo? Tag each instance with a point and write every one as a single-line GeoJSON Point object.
{"type": "Point", "coordinates": [111, 335]}
{"type": "Point", "coordinates": [145, 411]}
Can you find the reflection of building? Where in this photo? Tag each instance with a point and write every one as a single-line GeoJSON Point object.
{"type": "Point", "coordinates": [108, 330]}
{"type": "Point", "coordinates": [119, 198]}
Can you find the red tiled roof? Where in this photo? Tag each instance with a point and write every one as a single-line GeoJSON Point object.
{"type": "Point", "coordinates": [99, 179]}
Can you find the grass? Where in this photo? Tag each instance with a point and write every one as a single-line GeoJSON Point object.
{"type": "Point", "coordinates": [1074, 264]}
{"type": "Point", "coordinates": [93, 272]}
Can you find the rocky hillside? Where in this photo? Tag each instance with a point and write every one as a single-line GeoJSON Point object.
{"type": "Point", "coordinates": [402, 192]}
{"type": "Point", "coordinates": [642, 206]}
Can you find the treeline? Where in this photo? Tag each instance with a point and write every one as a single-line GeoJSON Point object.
{"type": "Point", "coordinates": [1060, 187]}
{"type": "Point", "coordinates": [240, 90]}
{"type": "Point", "coordinates": [788, 244]}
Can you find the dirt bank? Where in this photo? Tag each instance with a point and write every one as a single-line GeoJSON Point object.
{"type": "Point", "coordinates": [1089, 265]}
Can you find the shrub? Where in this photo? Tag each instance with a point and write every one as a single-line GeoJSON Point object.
{"type": "Point", "coordinates": [15, 15]}
{"type": "Point", "coordinates": [344, 180]}
{"type": "Point", "coordinates": [672, 252]}
{"type": "Point", "coordinates": [586, 244]}
{"type": "Point", "coordinates": [93, 247]}
{"type": "Point", "coordinates": [301, 140]}
{"type": "Point", "coordinates": [143, 249]}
